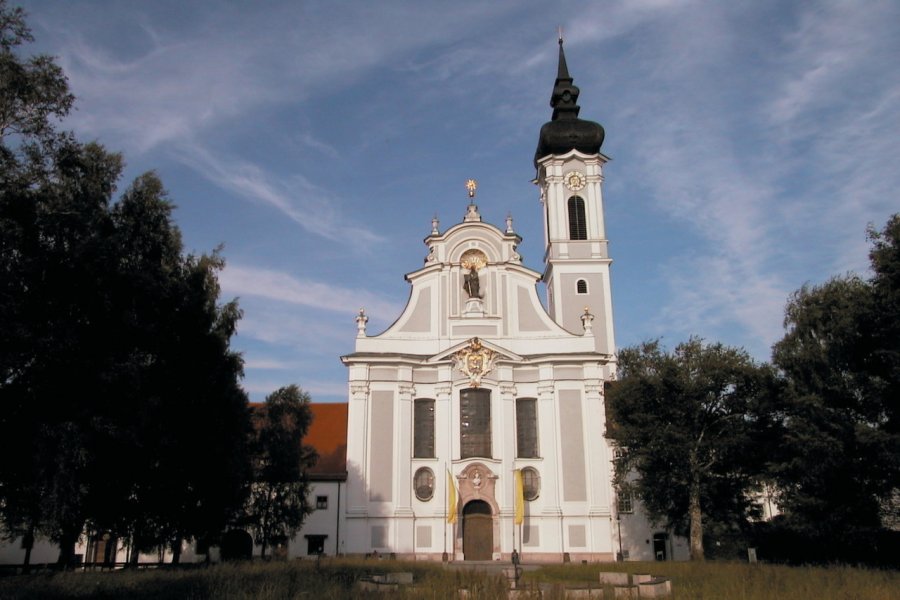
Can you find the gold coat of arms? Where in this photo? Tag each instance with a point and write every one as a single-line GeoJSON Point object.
{"type": "Point", "coordinates": [474, 361]}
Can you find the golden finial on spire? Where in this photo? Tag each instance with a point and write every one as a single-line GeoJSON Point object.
{"type": "Point", "coordinates": [471, 186]}
{"type": "Point", "coordinates": [559, 33]}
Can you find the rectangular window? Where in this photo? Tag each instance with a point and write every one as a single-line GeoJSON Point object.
{"type": "Point", "coordinates": [475, 423]}
{"type": "Point", "coordinates": [423, 428]}
{"type": "Point", "coordinates": [626, 504]}
{"type": "Point", "coordinates": [526, 428]}
{"type": "Point", "coordinates": [321, 502]}
{"type": "Point", "coordinates": [315, 544]}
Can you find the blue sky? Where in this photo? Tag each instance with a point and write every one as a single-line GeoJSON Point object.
{"type": "Point", "coordinates": [752, 143]}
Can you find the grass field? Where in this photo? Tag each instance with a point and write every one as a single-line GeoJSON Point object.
{"type": "Point", "coordinates": [336, 579]}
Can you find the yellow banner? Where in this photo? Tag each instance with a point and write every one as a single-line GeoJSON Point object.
{"type": "Point", "coordinates": [451, 499]}
{"type": "Point", "coordinates": [520, 497]}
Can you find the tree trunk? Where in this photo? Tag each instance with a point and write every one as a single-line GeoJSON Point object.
{"type": "Point", "coordinates": [176, 551]}
{"type": "Point", "coordinates": [28, 542]}
{"type": "Point", "coordinates": [262, 553]}
{"type": "Point", "coordinates": [696, 517]}
{"type": "Point", "coordinates": [66, 551]}
{"type": "Point", "coordinates": [135, 554]}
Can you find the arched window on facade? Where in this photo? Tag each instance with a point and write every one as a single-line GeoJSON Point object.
{"type": "Point", "coordinates": [423, 428]}
{"type": "Point", "coordinates": [581, 287]}
{"type": "Point", "coordinates": [577, 219]}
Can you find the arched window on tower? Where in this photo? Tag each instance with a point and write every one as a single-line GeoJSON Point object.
{"type": "Point", "coordinates": [581, 287]}
{"type": "Point", "coordinates": [577, 220]}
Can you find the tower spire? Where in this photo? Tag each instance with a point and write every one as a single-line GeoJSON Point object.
{"type": "Point", "coordinates": [562, 72]}
{"type": "Point", "coordinates": [565, 93]}
{"type": "Point", "coordinates": [565, 131]}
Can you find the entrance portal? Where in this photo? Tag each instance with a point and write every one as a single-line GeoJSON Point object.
{"type": "Point", "coordinates": [478, 531]}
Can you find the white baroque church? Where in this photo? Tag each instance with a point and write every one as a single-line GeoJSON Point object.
{"type": "Point", "coordinates": [475, 424]}
{"type": "Point", "coordinates": [477, 380]}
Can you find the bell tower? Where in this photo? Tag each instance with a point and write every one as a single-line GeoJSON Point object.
{"type": "Point", "coordinates": [570, 178]}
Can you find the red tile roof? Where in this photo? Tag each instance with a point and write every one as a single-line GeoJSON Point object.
{"type": "Point", "coordinates": [328, 435]}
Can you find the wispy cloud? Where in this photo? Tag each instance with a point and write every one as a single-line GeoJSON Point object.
{"type": "Point", "coordinates": [168, 93]}
{"type": "Point", "coordinates": [270, 364]}
{"type": "Point", "coordinates": [275, 285]}
{"type": "Point", "coordinates": [176, 85]}
{"type": "Point", "coordinates": [698, 175]}
{"type": "Point", "coordinates": [765, 134]}
{"type": "Point", "coordinates": [308, 205]}
{"type": "Point", "coordinates": [836, 109]}
{"type": "Point", "coordinates": [759, 185]}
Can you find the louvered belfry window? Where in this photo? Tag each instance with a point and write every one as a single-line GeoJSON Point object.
{"type": "Point", "coordinates": [475, 423]}
{"type": "Point", "coordinates": [423, 432]}
{"type": "Point", "coordinates": [526, 428]}
{"type": "Point", "coordinates": [577, 220]}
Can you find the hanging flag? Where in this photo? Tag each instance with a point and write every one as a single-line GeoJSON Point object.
{"type": "Point", "coordinates": [520, 497]}
{"type": "Point", "coordinates": [451, 499]}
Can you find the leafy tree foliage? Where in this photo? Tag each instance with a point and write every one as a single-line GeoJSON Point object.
{"type": "Point", "coordinates": [31, 91]}
{"type": "Point", "coordinates": [687, 424]}
{"type": "Point", "coordinates": [885, 261]}
{"type": "Point", "coordinates": [278, 502]}
{"type": "Point", "coordinates": [838, 467]}
{"type": "Point", "coordinates": [120, 396]}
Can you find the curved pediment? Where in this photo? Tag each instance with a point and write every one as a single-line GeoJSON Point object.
{"type": "Point", "coordinates": [473, 285]}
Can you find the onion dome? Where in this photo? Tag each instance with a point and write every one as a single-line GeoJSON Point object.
{"type": "Point", "coordinates": [565, 131]}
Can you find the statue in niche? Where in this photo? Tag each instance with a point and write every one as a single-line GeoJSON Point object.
{"type": "Point", "coordinates": [471, 283]}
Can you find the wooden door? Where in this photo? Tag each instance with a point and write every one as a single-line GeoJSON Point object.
{"type": "Point", "coordinates": [478, 531]}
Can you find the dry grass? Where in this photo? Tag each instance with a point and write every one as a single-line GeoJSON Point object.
{"type": "Point", "coordinates": [330, 579]}
{"type": "Point", "coordinates": [741, 581]}
{"type": "Point", "coordinates": [336, 579]}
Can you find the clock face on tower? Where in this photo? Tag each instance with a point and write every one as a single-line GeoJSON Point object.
{"type": "Point", "coordinates": [574, 180]}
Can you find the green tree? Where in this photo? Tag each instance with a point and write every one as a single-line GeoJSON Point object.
{"type": "Point", "coordinates": [53, 222]}
{"type": "Point", "coordinates": [122, 408]}
{"type": "Point", "coordinates": [885, 261]}
{"type": "Point", "coordinates": [32, 91]}
{"type": "Point", "coordinates": [687, 424]}
{"type": "Point", "coordinates": [838, 465]}
{"type": "Point", "coordinates": [278, 502]}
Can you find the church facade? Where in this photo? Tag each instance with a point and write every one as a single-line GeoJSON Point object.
{"type": "Point", "coordinates": [476, 421]}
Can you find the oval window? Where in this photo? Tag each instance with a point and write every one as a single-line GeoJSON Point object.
{"type": "Point", "coordinates": [531, 483]}
{"type": "Point", "coordinates": [423, 482]}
